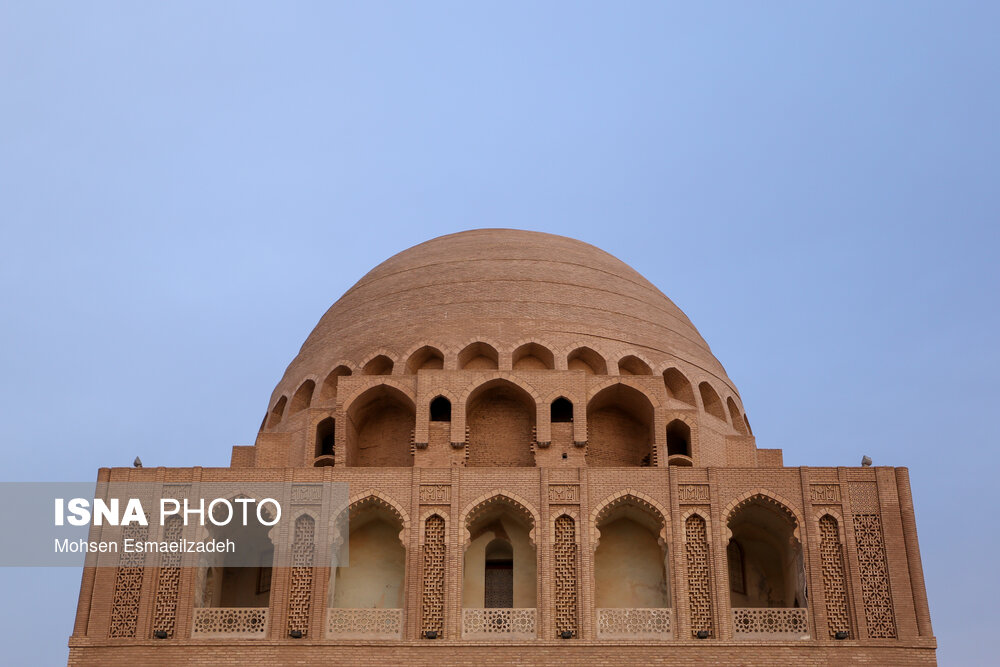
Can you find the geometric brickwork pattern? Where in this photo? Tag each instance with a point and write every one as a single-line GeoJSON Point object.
{"type": "Point", "coordinates": [300, 593]}
{"type": "Point", "coordinates": [365, 623]}
{"type": "Point", "coordinates": [879, 615]}
{"type": "Point", "coordinates": [633, 623]}
{"type": "Point", "coordinates": [498, 622]}
{"type": "Point", "coordinates": [565, 575]}
{"type": "Point", "coordinates": [698, 575]}
{"type": "Point", "coordinates": [128, 586]}
{"type": "Point", "coordinates": [432, 603]}
{"type": "Point", "coordinates": [864, 497]}
{"type": "Point", "coordinates": [838, 616]}
{"type": "Point", "coordinates": [232, 621]}
{"type": "Point", "coordinates": [769, 621]}
{"type": "Point", "coordinates": [168, 582]}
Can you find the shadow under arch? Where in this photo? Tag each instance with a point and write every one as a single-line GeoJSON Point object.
{"type": "Point", "coordinates": [380, 423]}
{"type": "Point", "coordinates": [500, 417]}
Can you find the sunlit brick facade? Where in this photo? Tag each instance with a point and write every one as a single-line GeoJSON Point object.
{"type": "Point", "coordinates": [545, 463]}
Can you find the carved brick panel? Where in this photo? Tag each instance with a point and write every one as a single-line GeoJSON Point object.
{"type": "Point", "coordinates": [566, 575]}
{"type": "Point", "coordinates": [831, 552]}
{"type": "Point", "coordinates": [564, 493]}
{"type": "Point", "coordinates": [693, 493]}
{"type": "Point", "coordinates": [879, 615]}
{"type": "Point", "coordinates": [699, 575]}
{"type": "Point", "coordinates": [435, 493]}
{"type": "Point", "coordinates": [432, 601]}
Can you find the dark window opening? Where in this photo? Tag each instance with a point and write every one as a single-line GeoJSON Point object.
{"type": "Point", "coordinates": [326, 437]}
{"type": "Point", "coordinates": [562, 410]}
{"type": "Point", "coordinates": [678, 438]}
{"type": "Point", "coordinates": [440, 409]}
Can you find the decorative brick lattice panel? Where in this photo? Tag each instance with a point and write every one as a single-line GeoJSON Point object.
{"type": "Point", "coordinates": [838, 617]}
{"type": "Point", "coordinates": [128, 586]}
{"type": "Point", "coordinates": [364, 623]}
{"type": "Point", "coordinates": [432, 618]}
{"type": "Point", "coordinates": [498, 623]}
{"type": "Point", "coordinates": [769, 621]}
{"type": "Point", "coordinates": [699, 575]}
{"type": "Point", "coordinates": [300, 595]}
{"type": "Point", "coordinates": [230, 622]}
{"type": "Point", "coordinates": [565, 571]}
{"type": "Point", "coordinates": [879, 616]}
{"type": "Point", "coordinates": [168, 582]}
{"type": "Point", "coordinates": [649, 623]}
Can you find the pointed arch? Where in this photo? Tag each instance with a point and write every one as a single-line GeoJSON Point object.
{"type": "Point", "coordinates": [479, 356]}
{"type": "Point", "coordinates": [734, 413]}
{"type": "Point", "coordinates": [678, 386]}
{"type": "Point", "coordinates": [632, 365]}
{"type": "Point", "coordinates": [532, 356]}
{"type": "Point", "coordinates": [500, 417]}
{"type": "Point", "coordinates": [620, 427]}
{"type": "Point", "coordinates": [380, 426]}
{"type": "Point", "coordinates": [427, 357]}
{"type": "Point", "coordinates": [378, 365]}
{"type": "Point", "coordinates": [587, 360]}
{"type": "Point", "coordinates": [302, 397]}
{"type": "Point", "coordinates": [711, 401]}
{"type": "Point", "coordinates": [277, 412]}
{"type": "Point", "coordinates": [328, 391]}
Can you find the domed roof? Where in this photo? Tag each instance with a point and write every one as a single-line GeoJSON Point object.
{"type": "Point", "coordinates": [504, 287]}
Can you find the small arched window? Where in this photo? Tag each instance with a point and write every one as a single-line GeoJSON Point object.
{"type": "Point", "coordinates": [678, 438]}
{"type": "Point", "coordinates": [326, 437]}
{"type": "Point", "coordinates": [561, 410]}
{"type": "Point", "coordinates": [498, 577]}
{"type": "Point", "coordinates": [440, 409]}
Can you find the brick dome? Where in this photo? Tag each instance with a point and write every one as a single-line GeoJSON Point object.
{"type": "Point", "coordinates": [503, 288]}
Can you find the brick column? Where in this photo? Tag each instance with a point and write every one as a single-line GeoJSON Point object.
{"type": "Point", "coordinates": [546, 564]}
{"type": "Point", "coordinates": [816, 601]}
{"type": "Point", "coordinates": [720, 569]}
{"type": "Point", "coordinates": [586, 573]}
{"type": "Point", "coordinates": [916, 569]}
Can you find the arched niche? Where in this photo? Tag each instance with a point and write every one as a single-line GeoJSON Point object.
{"type": "Point", "coordinates": [678, 438]}
{"type": "Point", "coordinates": [711, 401]}
{"type": "Point", "coordinates": [500, 557]}
{"type": "Point", "coordinates": [328, 392]}
{"type": "Point", "coordinates": [587, 360]}
{"type": "Point", "coordinates": [734, 414]}
{"type": "Point", "coordinates": [302, 397]}
{"type": "Point", "coordinates": [619, 428]}
{"type": "Point", "coordinates": [532, 356]}
{"type": "Point", "coordinates": [500, 417]}
{"type": "Point", "coordinates": [371, 563]}
{"type": "Point", "coordinates": [243, 578]}
{"type": "Point", "coordinates": [426, 358]}
{"type": "Point", "coordinates": [479, 356]}
{"type": "Point", "coordinates": [380, 425]}
{"type": "Point", "coordinates": [380, 365]}
{"type": "Point", "coordinates": [764, 556]}
{"type": "Point", "coordinates": [325, 444]}
{"type": "Point", "coordinates": [277, 412]}
{"type": "Point", "coordinates": [678, 386]}
{"type": "Point", "coordinates": [633, 365]}
{"type": "Point", "coordinates": [630, 561]}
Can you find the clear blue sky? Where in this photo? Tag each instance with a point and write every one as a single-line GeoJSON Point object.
{"type": "Point", "coordinates": [185, 187]}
